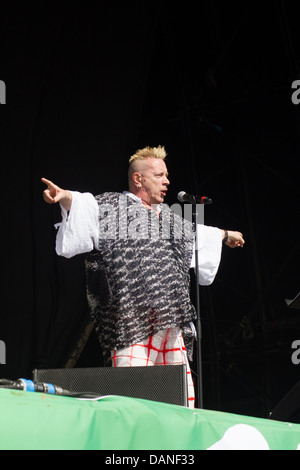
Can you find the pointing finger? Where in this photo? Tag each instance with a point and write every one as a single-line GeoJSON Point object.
{"type": "Point", "coordinates": [48, 182]}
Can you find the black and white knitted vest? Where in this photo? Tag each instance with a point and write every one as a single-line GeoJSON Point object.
{"type": "Point", "coordinates": [138, 280]}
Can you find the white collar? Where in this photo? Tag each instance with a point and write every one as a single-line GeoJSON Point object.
{"type": "Point", "coordinates": [133, 196]}
{"type": "Point", "coordinates": [155, 207]}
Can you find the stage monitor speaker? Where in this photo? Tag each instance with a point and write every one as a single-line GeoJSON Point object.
{"type": "Point", "coordinates": [165, 384]}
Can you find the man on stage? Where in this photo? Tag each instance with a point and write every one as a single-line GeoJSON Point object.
{"type": "Point", "coordinates": [139, 253]}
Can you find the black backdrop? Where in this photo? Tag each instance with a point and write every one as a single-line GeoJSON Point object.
{"type": "Point", "coordinates": [89, 83]}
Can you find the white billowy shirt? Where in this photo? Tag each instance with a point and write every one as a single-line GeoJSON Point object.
{"type": "Point", "coordinates": [79, 233]}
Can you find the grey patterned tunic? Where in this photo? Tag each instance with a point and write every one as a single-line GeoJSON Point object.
{"type": "Point", "coordinates": [138, 279]}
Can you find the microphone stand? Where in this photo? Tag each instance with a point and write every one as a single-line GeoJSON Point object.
{"type": "Point", "coordinates": [198, 321]}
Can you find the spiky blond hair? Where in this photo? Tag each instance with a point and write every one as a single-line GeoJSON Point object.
{"type": "Point", "coordinates": [148, 152]}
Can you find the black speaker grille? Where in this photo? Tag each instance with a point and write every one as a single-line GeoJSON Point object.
{"type": "Point", "coordinates": [165, 384]}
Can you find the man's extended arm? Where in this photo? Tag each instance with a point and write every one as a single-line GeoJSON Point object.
{"type": "Point", "coordinates": [54, 194]}
{"type": "Point", "coordinates": [208, 246]}
{"type": "Point", "coordinates": [79, 229]}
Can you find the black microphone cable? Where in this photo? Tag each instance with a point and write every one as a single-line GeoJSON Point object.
{"type": "Point", "coordinates": [42, 387]}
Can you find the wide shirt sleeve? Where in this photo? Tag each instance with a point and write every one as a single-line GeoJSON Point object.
{"type": "Point", "coordinates": [79, 230]}
{"type": "Point", "coordinates": [208, 246]}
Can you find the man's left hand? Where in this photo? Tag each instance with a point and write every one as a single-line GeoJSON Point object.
{"type": "Point", "coordinates": [235, 239]}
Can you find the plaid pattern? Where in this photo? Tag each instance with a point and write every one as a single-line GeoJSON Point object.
{"type": "Point", "coordinates": [164, 348]}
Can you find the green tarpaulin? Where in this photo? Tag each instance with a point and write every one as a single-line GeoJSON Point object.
{"type": "Point", "coordinates": [41, 421]}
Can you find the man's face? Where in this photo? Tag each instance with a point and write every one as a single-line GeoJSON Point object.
{"type": "Point", "coordinates": [154, 181]}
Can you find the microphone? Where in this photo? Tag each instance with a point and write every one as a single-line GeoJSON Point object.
{"type": "Point", "coordinates": [182, 196]}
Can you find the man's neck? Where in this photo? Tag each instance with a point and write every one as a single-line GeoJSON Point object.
{"type": "Point", "coordinates": [155, 207]}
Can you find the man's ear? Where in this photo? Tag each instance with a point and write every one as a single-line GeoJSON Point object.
{"type": "Point", "coordinates": [136, 178]}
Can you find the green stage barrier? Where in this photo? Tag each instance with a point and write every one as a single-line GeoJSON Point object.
{"type": "Point", "coordinates": [38, 421]}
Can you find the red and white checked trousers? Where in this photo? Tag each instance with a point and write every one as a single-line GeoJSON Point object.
{"type": "Point", "coordinates": [164, 348]}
